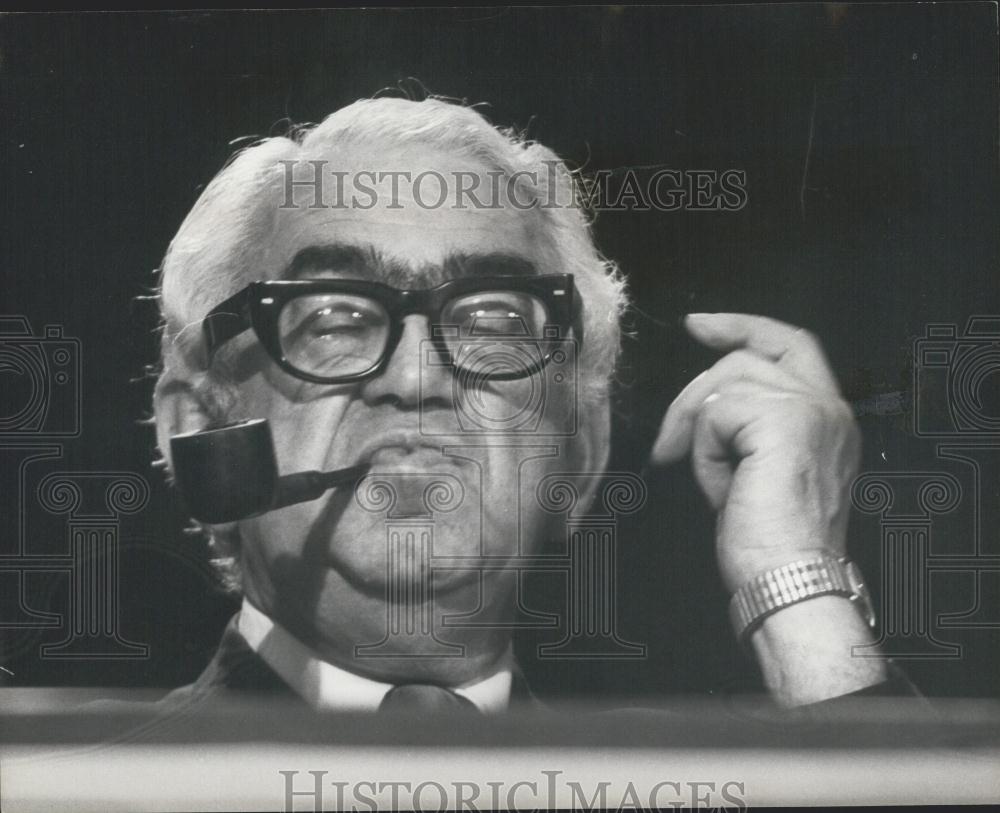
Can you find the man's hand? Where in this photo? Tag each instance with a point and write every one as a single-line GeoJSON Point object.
{"type": "Point", "coordinates": [773, 445]}
{"type": "Point", "coordinates": [775, 448]}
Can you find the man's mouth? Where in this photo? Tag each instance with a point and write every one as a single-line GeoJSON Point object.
{"type": "Point", "coordinates": [401, 447]}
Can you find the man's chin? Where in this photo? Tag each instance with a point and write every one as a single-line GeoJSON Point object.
{"type": "Point", "coordinates": [379, 583]}
{"type": "Point", "coordinates": [375, 556]}
{"type": "Point", "coordinates": [407, 641]}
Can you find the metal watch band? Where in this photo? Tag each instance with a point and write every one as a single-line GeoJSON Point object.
{"type": "Point", "coordinates": [797, 581]}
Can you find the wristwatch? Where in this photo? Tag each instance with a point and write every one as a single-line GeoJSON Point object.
{"type": "Point", "coordinates": [789, 584]}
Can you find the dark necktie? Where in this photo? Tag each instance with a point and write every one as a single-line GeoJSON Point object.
{"type": "Point", "coordinates": [425, 698]}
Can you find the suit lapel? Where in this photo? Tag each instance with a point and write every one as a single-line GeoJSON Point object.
{"type": "Point", "coordinates": [521, 696]}
{"type": "Point", "coordinates": [235, 666]}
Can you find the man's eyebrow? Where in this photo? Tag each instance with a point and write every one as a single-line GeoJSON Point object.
{"type": "Point", "coordinates": [340, 257]}
{"type": "Point", "coordinates": [368, 263]}
{"type": "Point", "coordinates": [494, 264]}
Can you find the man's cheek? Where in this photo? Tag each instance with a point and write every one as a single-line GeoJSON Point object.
{"type": "Point", "coordinates": [283, 533]}
{"type": "Point", "coordinates": [305, 434]}
{"type": "Point", "coordinates": [274, 387]}
{"type": "Point", "coordinates": [488, 408]}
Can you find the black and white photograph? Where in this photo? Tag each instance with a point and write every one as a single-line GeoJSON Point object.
{"type": "Point", "coordinates": [500, 407]}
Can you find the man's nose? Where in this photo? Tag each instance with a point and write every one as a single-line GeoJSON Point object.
{"type": "Point", "coordinates": [414, 374]}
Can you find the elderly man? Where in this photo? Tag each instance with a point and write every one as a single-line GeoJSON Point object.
{"type": "Point", "coordinates": [305, 287]}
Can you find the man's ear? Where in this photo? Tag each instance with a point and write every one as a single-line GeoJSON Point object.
{"type": "Point", "coordinates": [179, 407]}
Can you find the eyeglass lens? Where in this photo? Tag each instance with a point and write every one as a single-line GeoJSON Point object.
{"type": "Point", "coordinates": [340, 334]}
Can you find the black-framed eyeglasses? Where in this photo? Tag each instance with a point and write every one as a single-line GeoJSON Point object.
{"type": "Point", "coordinates": [336, 331]}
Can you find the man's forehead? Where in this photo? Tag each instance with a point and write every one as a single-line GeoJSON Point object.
{"type": "Point", "coordinates": [403, 232]}
{"type": "Point", "coordinates": [365, 261]}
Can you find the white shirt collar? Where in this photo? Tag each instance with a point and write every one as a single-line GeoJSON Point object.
{"type": "Point", "coordinates": [328, 687]}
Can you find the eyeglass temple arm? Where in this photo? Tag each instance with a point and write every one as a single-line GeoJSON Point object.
{"type": "Point", "coordinates": [225, 321]}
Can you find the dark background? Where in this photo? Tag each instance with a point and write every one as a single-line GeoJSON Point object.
{"type": "Point", "coordinates": [882, 220]}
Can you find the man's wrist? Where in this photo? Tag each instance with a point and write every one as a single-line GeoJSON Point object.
{"type": "Point", "coordinates": [803, 579]}
{"type": "Point", "coordinates": [809, 621]}
{"type": "Point", "coordinates": [808, 651]}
